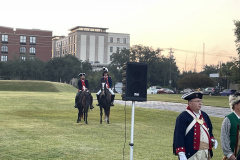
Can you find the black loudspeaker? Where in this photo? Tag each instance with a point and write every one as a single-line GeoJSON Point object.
{"type": "Point", "coordinates": [134, 82]}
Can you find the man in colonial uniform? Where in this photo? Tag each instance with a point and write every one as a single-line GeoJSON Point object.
{"type": "Point", "coordinates": [82, 86]}
{"type": "Point", "coordinates": [106, 78]}
{"type": "Point", "coordinates": [229, 128]}
{"type": "Point", "coordinates": [193, 136]}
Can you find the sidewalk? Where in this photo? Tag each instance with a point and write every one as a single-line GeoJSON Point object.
{"type": "Point", "coordinates": [177, 107]}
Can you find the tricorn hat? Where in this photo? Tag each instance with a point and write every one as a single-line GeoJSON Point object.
{"type": "Point", "coordinates": [105, 70]}
{"type": "Point", "coordinates": [192, 95]}
{"type": "Point", "coordinates": [234, 99]}
{"type": "Point", "coordinates": [82, 74]}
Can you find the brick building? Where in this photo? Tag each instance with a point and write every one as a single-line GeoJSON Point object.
{"type": "Point", "coordinates": [25, 43]}
{"type": "Point", "coordinates": [92, 44]}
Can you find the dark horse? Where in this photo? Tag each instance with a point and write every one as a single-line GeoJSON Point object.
{"type": "Point", "coordinates": [83, 105]}
{"type": "Point", "coordinates": [105, 103]}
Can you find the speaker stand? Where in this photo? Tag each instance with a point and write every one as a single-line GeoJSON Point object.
{"type": "Point", "coordinates": [131, 144]}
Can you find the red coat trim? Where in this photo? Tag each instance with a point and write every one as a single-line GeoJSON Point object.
{"type": "Point", "coordinates": [180, 149]}
{"type": "Point", "coordinates": [106, 79]}
{"type": "Point", "coordinates": [83, 84]}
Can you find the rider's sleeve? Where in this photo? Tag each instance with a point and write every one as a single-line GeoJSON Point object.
{"type": "Point", "coordinates": [79, 85]}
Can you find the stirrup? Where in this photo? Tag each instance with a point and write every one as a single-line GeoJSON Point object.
{"type": "Point", "coordinates": [98, 104]}
{"type": "Point", "coordinates": [112, 104]}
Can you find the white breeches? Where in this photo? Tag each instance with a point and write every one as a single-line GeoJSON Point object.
{"type": "Point", "coordinates": [110, 90]}
{"type": "Point", "coordinates": [200, 155]}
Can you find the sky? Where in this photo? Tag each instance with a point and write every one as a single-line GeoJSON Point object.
{"type": "Point", "coordinates": [190, 27]}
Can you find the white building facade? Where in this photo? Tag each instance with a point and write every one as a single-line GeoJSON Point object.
{"type": "Point", "coordinates": [91, 44]}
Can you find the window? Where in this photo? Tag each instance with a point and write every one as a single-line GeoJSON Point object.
{"type": "Point", "coordinates": [22, 49]}
{"type": "Point", "coordinates": [23, 39]}
{"type": "Point", "coordinates": [31, 58]}
{"type": "Point", "coordinates": [118, 40]}
{"type": "Point", "coordinates": [32, 40]}
{"type": "Point", "coordinates": [124, 40]}
{"type": "Point", "coordinates": [23, 58]}
{"type": "Point", "coordinates": [4, 49]}
{"type": "Point", "coordinates": [111, 39]}
{"type": "Point", "coordinates": [4, 38]}
{"type": "Point", "coordinates": [3, 58]}
{"type": "Point", "coordinates": [111, 49]}
{"type": "Point", "coordinates": [32, 50]}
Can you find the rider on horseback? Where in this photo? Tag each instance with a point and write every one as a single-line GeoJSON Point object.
{"type": "Point", "coordinates": [108, 80]}
{"type": "Point", "coordinates": [82, 86]}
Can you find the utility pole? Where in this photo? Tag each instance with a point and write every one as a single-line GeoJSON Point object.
{"type": "Point", "coordinates": [170, 74]}
{"type": "Point", "coordinates": [195, 62]}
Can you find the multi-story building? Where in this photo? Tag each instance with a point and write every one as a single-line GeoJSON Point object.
{"type": "Point", "coordinates": [92, 44]}
{"type": "Point", "coordinates": [25, 43]}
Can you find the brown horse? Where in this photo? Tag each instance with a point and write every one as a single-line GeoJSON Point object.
{"type": "Point", "coordinates": [105, 103]}
{"type": "Point", "coordinates": [83, 106]}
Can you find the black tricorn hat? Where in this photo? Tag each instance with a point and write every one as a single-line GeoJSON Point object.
{"type": "Point", "coordinates": [82, 74]}
{"type": "Point", "coordinates": [192, 95]}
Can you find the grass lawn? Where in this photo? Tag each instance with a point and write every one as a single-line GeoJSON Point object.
{"type": "Point", "coordinates": [42, 125]}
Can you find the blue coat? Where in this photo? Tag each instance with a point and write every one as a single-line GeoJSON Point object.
{"type": "Point", "coordinates": [187, 143]}
{"type": "Point", "coordinates": [109, 81]}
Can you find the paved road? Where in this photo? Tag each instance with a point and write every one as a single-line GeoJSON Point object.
{"type": "Point", "coordinates": [178, 107]}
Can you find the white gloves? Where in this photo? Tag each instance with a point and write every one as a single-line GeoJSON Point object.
{"type": "Point", "coordinates": [182, 156]}
{"type": "Point", "coordinates": [215, 142]}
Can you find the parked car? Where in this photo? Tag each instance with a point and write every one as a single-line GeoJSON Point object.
{"type": "Point", "coordinates": [165, 91]}
{"type": "Point", "coordinates": [152, 91]}
{"type": "Point", "coordinates": [211, 91]}
{"type": "Point", "coordinates": [187, 90]}
{"type": "Point", "coordinates": [227, 92]}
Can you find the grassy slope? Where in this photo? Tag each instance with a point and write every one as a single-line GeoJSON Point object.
{"type": "Point", "coordinates": [42, 125]}
{"type": "Point", "coordinates": [35, 86]}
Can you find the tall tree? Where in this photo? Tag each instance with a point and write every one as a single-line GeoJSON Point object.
{"type": "Point", "coordinates": [237, 34]}
{"type": "Point", "coordinates": [195, 80]}
{"type": "Point", "coordinates": [208, 69]}
{"type": "Point", "coordinates": [158, 66]}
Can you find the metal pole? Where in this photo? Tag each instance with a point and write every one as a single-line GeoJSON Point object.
{"type": "Point", "coordinates": [132, 131]}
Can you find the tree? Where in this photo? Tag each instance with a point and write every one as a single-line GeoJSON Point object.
{"type": "Point", "coordinates": [65, 68]}
{"type": "Point", "coordinates": [210, 69]}
{"type": "Point", "coordinates": [158, 65]}
{"type": "Point", "coordinates": [195, 80]}
{"type": "Point", "coordinates": [237, 34]}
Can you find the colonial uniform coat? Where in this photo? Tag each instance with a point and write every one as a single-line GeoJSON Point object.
{"type": "Point", "coordinates": [82, 83]}
{"type": "Point", "coordinates": [108, 80]}
{"type": "Point", "coordinates": [190, 142]}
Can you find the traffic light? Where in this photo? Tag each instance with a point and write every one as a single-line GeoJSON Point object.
{"type": "Point", "coordinates": [134, 81]}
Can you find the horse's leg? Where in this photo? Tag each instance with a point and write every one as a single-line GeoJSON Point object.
{"type": "Point", "coordinates": [101, 114]}
{"type": "Point", "coordinates": [108, 115]}
{"type": "Point", "coordinates": [86, 113]}
{"type": "Point", "coordinates": [78, 116]}
{"type": "Point", "coordinates": [84, 116]}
